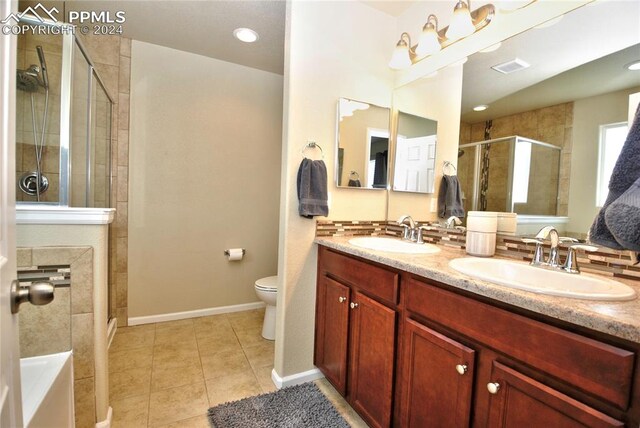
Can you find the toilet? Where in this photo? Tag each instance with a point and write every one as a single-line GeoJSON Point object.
{"type": "Point", "coordinates": [267, 291]}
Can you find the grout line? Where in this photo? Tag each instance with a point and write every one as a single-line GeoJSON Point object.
{"type": "Point", "coordinates": [153, 356]}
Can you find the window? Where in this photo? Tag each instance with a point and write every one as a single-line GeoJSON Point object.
{"type": "Point", "coordinates": [612, 137]}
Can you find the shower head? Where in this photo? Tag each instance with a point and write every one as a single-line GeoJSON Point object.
{"type": "Point", "coordinates": [27, 80]}
{"type": "Point", "coordinates": [43, 67]}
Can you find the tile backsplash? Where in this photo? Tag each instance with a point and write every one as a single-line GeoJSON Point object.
{"type": "Point", "coordinates": [605, 261]}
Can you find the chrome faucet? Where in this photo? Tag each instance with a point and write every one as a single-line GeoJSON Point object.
{"type": "Point", "coordinates": [413, 231]}
{"type": "Point", "coordinates": [551, 233]}
{"type": "Point", "coordinates": [452, 221]}
{"type": "Point", "coordinates": [553, 261]}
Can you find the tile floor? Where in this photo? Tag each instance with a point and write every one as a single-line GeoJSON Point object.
{"type": "Point", "coordinates": [168, 374]}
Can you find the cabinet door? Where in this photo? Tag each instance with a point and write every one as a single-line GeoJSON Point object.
{"type": "Point", "coordinates": [437, 379]}
{"type": "Point", "coordinates": [373, 328]}
{"type": "Point", "coordinates": [332, 321]}
{"type": "Point", "coordinates": [519, 401]}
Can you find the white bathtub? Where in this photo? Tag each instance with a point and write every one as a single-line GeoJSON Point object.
{"type": "Point", "coordinates": [47, 390]}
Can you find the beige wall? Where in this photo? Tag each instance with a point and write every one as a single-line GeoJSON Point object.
{"type": "Point", "coordinates": [204, 177]}
{"type": "Point", "coordinates": [588, 115]}
{"type": "Point", "coordinates": [332, 50]}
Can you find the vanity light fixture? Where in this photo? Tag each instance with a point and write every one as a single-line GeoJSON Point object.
{"type": "Point", "coordinates": [481, 107]}
{"type": "Point", "coordinates": [633, 66]}
{"type": "Point", "coordinates": [246, 35]}
{"type": "Point", "coordinates": [463, 24]}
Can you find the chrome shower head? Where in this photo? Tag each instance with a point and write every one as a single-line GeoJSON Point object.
{"type": "Point", "coordinates": [27, 80]}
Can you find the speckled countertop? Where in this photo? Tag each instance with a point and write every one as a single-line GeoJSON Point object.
{"type": "Point", "coordinates": [620, 319]}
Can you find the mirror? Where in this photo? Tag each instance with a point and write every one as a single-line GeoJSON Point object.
{"type": "Point", "coordinates": [363, 145]}
{"type": "Point", "coordinates": [573, 86]}
{"type": "Point", "coordinates": [415, 154]}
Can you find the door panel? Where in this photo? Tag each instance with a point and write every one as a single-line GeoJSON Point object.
{"type": "Point", "coordinates": [521, 401]}
{"type": "Point", "coordinates": [372, 338]}
{"type": "Point", "coordinates": [332, 318]}
{"type": "Point", "coordinates": [435, 393]}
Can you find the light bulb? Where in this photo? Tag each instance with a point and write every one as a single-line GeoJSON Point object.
{"type": "Point", "coordinates": [461, 25]}
{"type": "Point", "coordinates": [429, 42]}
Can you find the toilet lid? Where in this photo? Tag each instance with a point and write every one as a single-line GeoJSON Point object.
{"type": "Point", "coordinates": [269, 283]}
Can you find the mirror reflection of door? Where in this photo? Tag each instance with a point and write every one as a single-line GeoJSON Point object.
{"type": "Point", "coordinates": [362, 145]}
{"type": "Point", "coordinates": [415, 158]}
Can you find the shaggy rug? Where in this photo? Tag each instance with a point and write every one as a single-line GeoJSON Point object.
{"type": "Point", "coordinates": [294, 407]}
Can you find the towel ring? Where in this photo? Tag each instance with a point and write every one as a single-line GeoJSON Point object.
{"type": "Point", "coordinates": [354, 176]}
{"type": "Point", "coordinates": [447, 164]}
{"type": "Point", "coordinates": [312, 145]}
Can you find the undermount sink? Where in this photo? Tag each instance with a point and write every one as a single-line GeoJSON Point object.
{"type": "Point", "coordinates": [392, 245]}
{"type": "Point", "coordinates": [544, 281]}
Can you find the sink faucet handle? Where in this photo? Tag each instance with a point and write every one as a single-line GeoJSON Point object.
{"type": "Point", "coordinates": [571, 264]}
{"type": "Point", "coordinates": [538, 255]}
{"type": "Point", "coordinates": [419, 230]}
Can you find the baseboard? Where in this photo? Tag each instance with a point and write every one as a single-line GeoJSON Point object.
{"type": "Point", "coordinates": [107, 422]}
{"type": "Point", "coordinates": [295, 379]}
{"type": "Point", "coordinates": [194, 314]}
{"type": "Point", "coordinates": [111, 331]}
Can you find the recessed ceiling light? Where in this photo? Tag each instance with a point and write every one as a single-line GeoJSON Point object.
{"type": "Point", "coordinates": [482, 107]}
{"type": "Point", "coordinates": [633, 66]}
{"type": "Point", "coordinates": [246, 35]}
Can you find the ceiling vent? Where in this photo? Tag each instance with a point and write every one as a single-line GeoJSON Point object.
{"type": "Point", "coordinates": [511, 66]}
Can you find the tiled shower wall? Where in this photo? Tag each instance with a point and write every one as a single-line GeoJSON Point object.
{"type": "Point", "coordinates": [112, 59]}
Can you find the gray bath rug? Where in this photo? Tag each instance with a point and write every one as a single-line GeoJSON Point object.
{"type": "Point", "coordinates": [300, 406]}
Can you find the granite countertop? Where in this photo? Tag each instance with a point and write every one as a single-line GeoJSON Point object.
{"type": "Point", "coordinates": [619, 319]}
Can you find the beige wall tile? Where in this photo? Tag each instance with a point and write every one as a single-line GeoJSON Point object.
{"type": "Point", "coordinates": [24, 257]}
{"type": "Point", "coordinates": [82, 283]}
{"type": "Point", "coordinates": [123, 147]}
{"type": "Point", "coordinates": [130, 412]}
{"type": "Point", "coordinates": [109, 75]}
{"type": "Point", "coordinates": [123, 183]}
{"type": "Point", "coordinates": [46, 256]}
{"type": "Point", "coordinates": [125, 47]}
{"type": "Point", "coordinates": [123, 111]}
{"type": "Point", "coordinates": [122, 316]}
{"type": "Point", "coordinates": [103, 49]}
{"type": "Point", "coordinates": [82, 340]}
{"type": "Point", "coordinates": [85, 409]}
{"type": "Point", "coordinates": [121, 262]}
{"type": "Point", "coordinates": [122, 210]}
{"type": "Point", "coordinates": [174, 404]}
{"type": "Point", "coordinates": [121, 290]}
{"type": "Point", "coordinates": [125, 74]}
{"type": "Point", "coordinates": [46, 329]}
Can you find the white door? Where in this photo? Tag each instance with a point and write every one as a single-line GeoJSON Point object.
{"type": "Point", "coordinates": [415, 164]}
{"type": "Point", "coordinates": [10, 395]}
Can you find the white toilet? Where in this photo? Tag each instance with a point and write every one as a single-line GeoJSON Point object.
{"type": "Point", "coordinates": [267, 291]}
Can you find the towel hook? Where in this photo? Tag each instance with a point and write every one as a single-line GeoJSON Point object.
{"type": "Point", "coordinates": [447, 164]}
{"type": "Point", "coordinates": [312, 145]}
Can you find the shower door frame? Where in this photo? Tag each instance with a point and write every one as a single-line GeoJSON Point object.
{"type": "Point", "coordinates": [69, 40]}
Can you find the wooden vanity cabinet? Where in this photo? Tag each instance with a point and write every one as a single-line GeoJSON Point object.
{"type": "Point", "coordinates": [356, 332]}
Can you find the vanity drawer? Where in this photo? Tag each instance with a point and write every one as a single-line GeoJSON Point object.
{"type": "Point", "coordinates": [375, 280]}
{"type": "Point", "coordinates": [592, 366]}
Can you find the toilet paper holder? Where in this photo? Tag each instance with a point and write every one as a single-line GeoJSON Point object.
{"type": "Point", "coordinates": [226, 252]}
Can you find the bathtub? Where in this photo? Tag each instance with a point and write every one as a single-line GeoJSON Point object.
{"type": "Point", "coordinates": [47, 390]}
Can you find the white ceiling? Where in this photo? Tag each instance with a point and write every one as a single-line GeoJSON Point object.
{"type": "Point", "coordinates": [557, 55]}
{"type": "Point", "coordinates": [205, 27]}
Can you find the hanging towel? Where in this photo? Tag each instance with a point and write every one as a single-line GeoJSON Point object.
{"type": "Point", "coordinates": [355, 183]}
{"type": "Point", "coordinates": [622, 218]}
{"type": "Point", "coordinates": [450, 198]}
{"type": "Point", "coordinates": [380, 170]}
{"type": "Point", "coordinates": [625, 173]}
{"type": "Point", "coordinates": [312, 188]}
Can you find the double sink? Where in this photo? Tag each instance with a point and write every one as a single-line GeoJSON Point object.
{"type": "Point", "coordinates": [519, 275]}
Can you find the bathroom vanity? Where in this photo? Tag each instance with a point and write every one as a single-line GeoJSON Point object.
{"type": "Point", "coordinates": [409, 342]}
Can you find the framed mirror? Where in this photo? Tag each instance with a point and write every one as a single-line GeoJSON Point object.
{"type": "Point", "coordinates": [362, 155]}
{"type": "Point", "coordinates": [415, 154]}
{"type": "Point", "coordinates": [570, 85]}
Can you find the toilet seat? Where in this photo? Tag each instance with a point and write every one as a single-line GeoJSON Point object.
{"type": "Point", "coordinates": [268, 284]}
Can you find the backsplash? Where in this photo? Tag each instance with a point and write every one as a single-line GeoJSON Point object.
{"type": "Point", "coordinates": [605, 261]}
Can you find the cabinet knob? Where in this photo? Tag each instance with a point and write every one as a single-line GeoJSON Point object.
{"type": "Point", "coordinates": [461, 368]}
{"type": "Point", "coordinates": [493, 387]}
{"type": "Point", "coordinates": [353, 305]}
{"type": "Point", "coordinates": [342, 299]}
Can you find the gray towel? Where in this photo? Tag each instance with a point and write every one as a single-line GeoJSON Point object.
{"type": "Point", "coordinates": [312, 188]}
{"type": "Point", "coordinates": [450, 198]}
{"type": "Point", "coordinates": [625, 173]}
{"type": "Point", "coordinates": [354, 183]}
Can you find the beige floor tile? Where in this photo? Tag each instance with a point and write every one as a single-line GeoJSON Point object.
{"type": "Point", "coordinates": [260, 355]}
{"type": "Point", "coordinates": [224, 363]}
{"type": "Point", "coordinates": [175, 355]}
{"type": "Point", "coordinates": [340, 404]}
{"type": "Point", "coordinates": [213, 344]}
{"type": "Point", "coordinates": [179, 335]}
{"type": "Point", "coordinates": [130, 412]}
{"type": "Point", "coordinates": [232, 388]}
{"type": "Point", "coordinates": [137, 328]}
{"type": "Point", "coordinates": [174, 324]}
{"type": "Point", "coordinates": [212, 322]}
{"type": "Point", "coordinates": [129, 383]}
{"type": "Point", "coordinates": [175, 404]}
{"type": "Point", "coordinates": [197, 422]}
{"type": "Point", "coordinates": [163, 378]}
{"type": "Point", "coordinates": [263, 374]}
{"type": "Point", "coordinates": [133, 339]}
{"type": "Point", "coordinates": [217, 331]}
{"type": "Point", "coordinates": [246, 320]}
{"type": "Point", "coordinates": [250, 337]}
{"type": "Point", "coordinates": [130, 359]}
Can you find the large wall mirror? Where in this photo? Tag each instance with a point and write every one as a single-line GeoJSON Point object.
{"type": "Point", "coordinates": [415, 154]}
{"type": "Point", "coordinates": [362, 145]}
{"type": "Point", "coordinates": [544, 142]}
